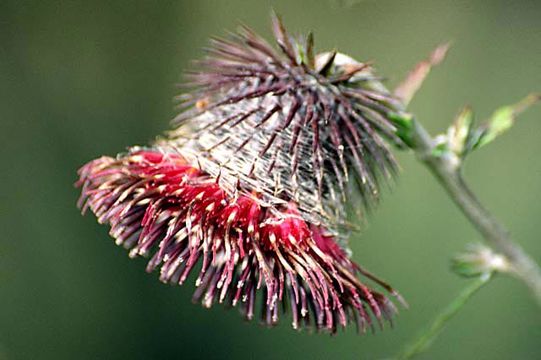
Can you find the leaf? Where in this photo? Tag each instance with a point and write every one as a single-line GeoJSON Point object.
{"type": "Point", "coordinates": [413, 81]}
{"type": "Point", "coordinates": [404, 127]}
{"type": "Point", "coordinates": [502, 120]}
{"type": "Point", "coordinates": [459, 133]}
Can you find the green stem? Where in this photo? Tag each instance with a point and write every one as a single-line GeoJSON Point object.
{"type": "Point", "coordinates": [430, 334]}
{"type": "Point", "coordinates": [446, 168]}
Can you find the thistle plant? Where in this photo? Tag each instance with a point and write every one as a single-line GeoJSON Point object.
{"type": "Point", "coordinates": [250, 187]}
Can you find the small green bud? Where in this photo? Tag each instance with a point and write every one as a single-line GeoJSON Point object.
{"type": "Point", "coordinates": [477, 260]}
{"type": "Point", "coordinates": [441, 146]}
{"type": "Point", "coordinates": [459, 133]}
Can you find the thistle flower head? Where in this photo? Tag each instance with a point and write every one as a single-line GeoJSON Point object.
{"type": "Point", "coordinates": [288, 124]}
{"type": "Point", "coordinates": [248, 189]}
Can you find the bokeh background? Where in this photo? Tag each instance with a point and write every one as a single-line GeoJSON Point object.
{"type": "Point", "coordinates": [79, 79]}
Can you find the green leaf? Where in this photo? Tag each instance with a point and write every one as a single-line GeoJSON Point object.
{"type": "Point", "coordinates": [404, 126]}
{"type": "Point", "coordinates": [502, 120]}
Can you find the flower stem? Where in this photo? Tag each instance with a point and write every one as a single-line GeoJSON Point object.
{"type": "Point", "coordinates": [430, 334]}
{"type": "Point", "coordinates": [446, 168]}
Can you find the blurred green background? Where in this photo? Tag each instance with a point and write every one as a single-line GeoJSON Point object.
{"type": "Point", "coordinates": [79, 79]}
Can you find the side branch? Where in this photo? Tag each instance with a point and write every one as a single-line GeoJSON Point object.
{"type": "Point", "coordinates": [446, 168]}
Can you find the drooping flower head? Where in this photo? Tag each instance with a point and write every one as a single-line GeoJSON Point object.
{"type": "Point", "coordinates": [249, 188]}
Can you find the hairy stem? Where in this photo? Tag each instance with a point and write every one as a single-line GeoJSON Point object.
{"type": "Point", "coordinates": [430, 334]}
{"type": "Point", "coordinates": [446, 168]}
